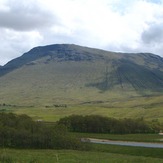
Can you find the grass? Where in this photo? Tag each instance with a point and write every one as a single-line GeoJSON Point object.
{"type": "Point", "coordinates": [69, 156]}
{"type": "Point", "coordinates": [132, 151]}
{"type": "Point", "coordinates": [124, 137]}
{"type": "Point", "coordinates": [120, 109]}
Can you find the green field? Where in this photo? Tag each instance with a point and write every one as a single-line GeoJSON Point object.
{"type": "Point", "coordinates": [149, 108]}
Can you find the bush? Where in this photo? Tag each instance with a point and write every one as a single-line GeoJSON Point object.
{"type": "Point", "coordinates": [20, 131]}
{"type": "Point", "coordinates": [99, 124]}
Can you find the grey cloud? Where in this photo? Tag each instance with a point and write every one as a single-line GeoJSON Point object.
{"type": "Point", "coordinates": [153, 35]}
{"type": "Point", "coordinates": [25, 18]}
{"type": "Point", "coordinates": [7, 53]}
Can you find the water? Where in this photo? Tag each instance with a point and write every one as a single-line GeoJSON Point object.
{"type": "Point", "coordinates": [126, 143]}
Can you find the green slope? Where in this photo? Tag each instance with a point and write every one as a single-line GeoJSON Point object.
{"type": "Point", "coordinates": [73, 75]}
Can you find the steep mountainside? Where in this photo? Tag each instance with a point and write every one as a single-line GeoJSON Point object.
{"type": "Point", "coordinates": [66, 73]}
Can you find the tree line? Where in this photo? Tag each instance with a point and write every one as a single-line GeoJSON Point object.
{"type": "Point", "coordinates": [20, 131]}
{"type": "Point", "coordinates": [100, 124]}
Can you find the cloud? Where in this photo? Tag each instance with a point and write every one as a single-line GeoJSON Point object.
{"type": "Point", "coordinates": [152, 39]}
{"type": "Point", "coordinates": [153, 35]}
{"type": "Point", "coordinates": [24, 16]}
{"type": "Point", "coordinates": [116, 25]}
{"type": "Point", "coordinates": [13, 43]}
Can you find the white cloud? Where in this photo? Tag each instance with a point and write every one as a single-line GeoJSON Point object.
{"type": "Point", "coordinates": [13, 43]}
{"type": "Point", "coordinates": [117, 25]}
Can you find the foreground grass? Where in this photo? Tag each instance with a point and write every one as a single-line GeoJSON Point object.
{"type": "Point", "coordinates": [130, 151]}
{"type": "Point", "coordinates": [69, 156]}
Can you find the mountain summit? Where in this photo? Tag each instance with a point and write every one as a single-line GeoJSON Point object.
{"type": "Point", "coordinates": [65, 72]}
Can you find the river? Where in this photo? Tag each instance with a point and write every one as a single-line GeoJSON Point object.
{"type": "Point", "coordinates": [124, 143]}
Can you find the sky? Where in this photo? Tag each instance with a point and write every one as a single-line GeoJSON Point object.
{"type": "Point", "coordinates": [131, 26]}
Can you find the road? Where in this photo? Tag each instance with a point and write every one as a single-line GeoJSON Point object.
{"type": "Point", "coordinates": [123, 143]}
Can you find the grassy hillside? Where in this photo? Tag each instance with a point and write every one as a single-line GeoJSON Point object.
{"type": "Point", "coordinates": [88, 81]}
{"type": "Point", "coordinates": [56, 82]}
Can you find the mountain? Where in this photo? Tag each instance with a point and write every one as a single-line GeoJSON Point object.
{"type": "Point", "coordinates": [67, 73]}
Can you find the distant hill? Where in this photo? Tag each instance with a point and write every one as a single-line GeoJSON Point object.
{"type": "Point", "coordinates": [65, 73]}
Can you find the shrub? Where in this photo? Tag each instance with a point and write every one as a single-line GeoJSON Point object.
{"type": "Point", "coordinates": [20, 131]}
{"type": "Point", "coordinates": [99, 124]}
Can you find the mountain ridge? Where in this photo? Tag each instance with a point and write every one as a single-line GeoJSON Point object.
{"type": "Point", "coordinates": [36, 53]}
{"type": "Point", "coordinates": [40, 51]}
